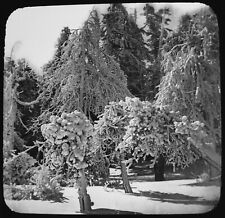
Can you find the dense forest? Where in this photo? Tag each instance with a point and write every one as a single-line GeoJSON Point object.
{"type": "Point", "coordinates": [148, 93]}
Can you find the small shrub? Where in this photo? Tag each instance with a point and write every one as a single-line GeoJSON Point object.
{"type": "Point", "coordinates": [46, 188]}
{"type": "Point", "coordinates": [18, 169]}
{"type": "Point", "coordinates": [13, 192]}
{"type": "Point", "coordinates": [31, 192]}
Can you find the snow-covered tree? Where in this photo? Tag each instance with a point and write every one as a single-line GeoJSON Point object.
{"type": "Point", "coordinates": [20, 89]}
{"type": "Point", "coordinates": [87, 79]}
{"type": "Point", "coordinates": [132, 129]}
{"type": "Point", "coordinates": [109, 130]}
{"type": "Point", "coordinates": [68, 141]}
{"type": "Point", "coordinates": [28, 90]}
{"type": "Point", "coordinates": [152, 131]}
{"type": "Point", "coordinates": [191, 83]}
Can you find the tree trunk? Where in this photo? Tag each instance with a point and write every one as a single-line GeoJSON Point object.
{"type": "Point", "coordinates": [159, 168]}
{"type": "Point", "coordinates": [126, 183]}
{"type": "Point", "coordinates": [84, 197]}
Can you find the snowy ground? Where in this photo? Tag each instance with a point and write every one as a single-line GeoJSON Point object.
{"type": "Point", "coordinates": [167, 197]}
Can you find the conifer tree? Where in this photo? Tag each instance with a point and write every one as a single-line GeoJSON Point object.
{"type": "Point", "coordinates": [20, 90]}
{"type": "Point", "coordinates": [28, 90]}
{"type": "Point", "coordinates": [156, 30]}
{"type": "Point", "coordinates": [87, 79]}
{"type": "Point", "coordinates": [123, 39]}
{"type": "Point", "coordinates": [192, 77]}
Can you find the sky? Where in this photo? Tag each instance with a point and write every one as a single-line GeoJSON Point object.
{"type": "Point", "coordinates": [33, 31]}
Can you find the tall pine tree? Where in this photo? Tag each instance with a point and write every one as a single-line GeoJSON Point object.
{"type": "Point", "coordinates": [88, 78]}
{"type": "Point", "coordinates": [20, 90]}
{"type": "Point", "coordinates": [191, 83]}
{"type": "Point", "coordinates": [123, 39]}
{"type": "Point", "coordinates": [156, 31]}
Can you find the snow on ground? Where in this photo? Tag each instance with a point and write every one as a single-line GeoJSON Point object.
{"type": "Point", "coordinates": [70, 206]}
{"type": "Point", "coordinates": [166, 197]}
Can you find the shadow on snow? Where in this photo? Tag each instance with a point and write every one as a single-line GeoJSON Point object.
{"type": "Point", "coordinates": [110, 211]}
{"type": "Point", "coordinates": [174, 198]}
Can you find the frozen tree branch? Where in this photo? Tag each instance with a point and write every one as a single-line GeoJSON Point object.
{"type": "Point", "coordinates": [22, 102]}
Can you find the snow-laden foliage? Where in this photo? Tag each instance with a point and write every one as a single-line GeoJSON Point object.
{"type": "Point", "coordinates": [87, 80]}
{"type": "Point", "coordinates": [46, 187]}
{"type": "Point", "coordinates": [20, 89]}
{"type": "Point", "coordinates": [67, 140]}
{"type": "Point", "coordinates": [151, 131]}
{"type": "Point", "coordinates": [198, 140]}
{"type": "Point", "coordinates": [194, 131]}
{"type": "Point", "coordinates": [108, 134]}
{"type": "Point", "coordinates": [192, 74]}
{"type": "Point", "coordinates": [139, 128]}
{"type": "Point", "coordinates": [110, 128]}
{"type": "Point", "coordinates": [18, 169]}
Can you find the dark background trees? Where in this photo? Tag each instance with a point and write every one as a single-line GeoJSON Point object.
{"type": "Point", "coordinates": [123, 39]}
{"type": "Point", "coordinates": [156, 31]}
{"type": "Point", "coordinates": [21, 91]}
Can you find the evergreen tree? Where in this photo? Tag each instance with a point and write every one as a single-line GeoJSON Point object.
{"type": "Point", "coordinates": [87, 79]}
{"type": "Point", "coordinates": [28, 90]}
{"type": "Point", "coordinates": [123, 39]}
{"type": "Point", "coordinates": [20, 86]}
{"type": "Point", "coordinates": [156, 31]}
{"type": "Point", "coordinates": [192, 77]}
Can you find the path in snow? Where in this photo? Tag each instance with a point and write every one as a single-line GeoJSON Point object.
{"type": "Point", "coordinates": [166, 197]}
